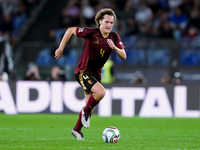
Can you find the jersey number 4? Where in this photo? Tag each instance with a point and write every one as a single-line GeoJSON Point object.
{"type": "Point", "coordinates": [85, 77]}
{"type": "Point", "coordinates": [102, 52]}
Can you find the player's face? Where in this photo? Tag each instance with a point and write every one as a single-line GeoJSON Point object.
{"type": "Point", "coordinates": [106, 24]}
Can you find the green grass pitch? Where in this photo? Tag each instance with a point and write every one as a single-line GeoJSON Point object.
{"type": "Point", "coordinates": [53, 131]}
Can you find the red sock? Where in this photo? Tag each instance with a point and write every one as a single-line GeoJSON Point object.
{"type": "Point", "coordinates": [78, 124]}
{"type": "Point", "coordinates": [90, 104]}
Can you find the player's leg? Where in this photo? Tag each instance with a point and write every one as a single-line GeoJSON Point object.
{"type": "Point", "coordinates": [77, 134]}
{"type": "Point", "coordinates": [94, 91]}
{"type": "Point", "coordinates": [89, 84]}
{"type": "Point", "coordinates": [98, 92]}
{"type": "Point", "coordinates": [76, 131]}
{"type": "Point", "coordinates": [87, 96]}
{"type": "Point", "coordinates": [78, 123]}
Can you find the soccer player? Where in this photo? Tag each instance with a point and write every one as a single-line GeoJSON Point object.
{"type": "Point", "coordinates": [99, 43]}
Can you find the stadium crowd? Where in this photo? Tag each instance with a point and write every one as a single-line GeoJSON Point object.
{"type": "Point", "coordinates": [163, 19]}
{"type": "Point", "coordinates": [13, 14]}
{"type": "Point", "coordinates": [175, 19]}
{"type": "Point", "coordinates": [141, 18]}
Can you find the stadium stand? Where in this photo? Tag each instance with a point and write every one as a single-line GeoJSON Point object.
{"type": "Point", "coordinates": [155, 32]}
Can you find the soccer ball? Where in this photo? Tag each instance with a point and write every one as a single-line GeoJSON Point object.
{"type": "Point", "coordinates": [111, 135]}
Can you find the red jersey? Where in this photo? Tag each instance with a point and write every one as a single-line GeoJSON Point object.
{"type": "Point", "coordinates": [96, 50]}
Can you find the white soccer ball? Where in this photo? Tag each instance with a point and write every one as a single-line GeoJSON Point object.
{"type": "Point", "coordinates": [111, 135]}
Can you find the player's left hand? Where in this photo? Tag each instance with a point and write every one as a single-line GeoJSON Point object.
{"type": "Point", "coordinates": [110, 43]}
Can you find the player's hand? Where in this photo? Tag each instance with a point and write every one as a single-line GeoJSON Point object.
{"type": "Point", "coordinates": [58, 53]}
{"type": "Point", "coordinates": [110, 43]}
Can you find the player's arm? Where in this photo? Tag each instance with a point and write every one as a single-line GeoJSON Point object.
{"type": "Point", "coordinates": [120, 52]}
{"type": "Point", "coordinates": [70, 31]}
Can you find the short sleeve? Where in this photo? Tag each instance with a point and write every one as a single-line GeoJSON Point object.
{"type": "Point", "coordinates": [83, 32]}
{"type": "Point", "coordinates": [118, 42]}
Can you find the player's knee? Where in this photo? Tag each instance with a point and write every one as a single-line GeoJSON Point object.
{"type": "Point", "coordinates": [99, 95]}
{"type": "Point", "coordinates": [102, 93]}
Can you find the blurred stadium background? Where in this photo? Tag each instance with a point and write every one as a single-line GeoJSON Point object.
{"type": "Point", "coordinates": [161, 36]}
{"type": "Point", "coordinates": [162, 40]}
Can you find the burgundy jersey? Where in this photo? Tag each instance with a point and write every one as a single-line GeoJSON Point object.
{"type": "Point", "coordinates": [96, 50]}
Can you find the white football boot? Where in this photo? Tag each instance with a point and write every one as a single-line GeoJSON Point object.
{"type": "Point", "coordinates": [77, 135]}
{"type": "Point", "coordinates": [85, 119]}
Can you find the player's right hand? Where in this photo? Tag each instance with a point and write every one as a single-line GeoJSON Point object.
{"type": "Point", "coordinates": [58, 53]}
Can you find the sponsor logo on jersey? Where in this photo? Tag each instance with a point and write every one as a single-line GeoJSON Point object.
{"type": "Point", "coordinates": [80, 30]}
{"type": "Point", "coordinates": [96, 42]}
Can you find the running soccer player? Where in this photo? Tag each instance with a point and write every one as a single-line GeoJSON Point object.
{"type": "Point", "coordinates": [99, 43]}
